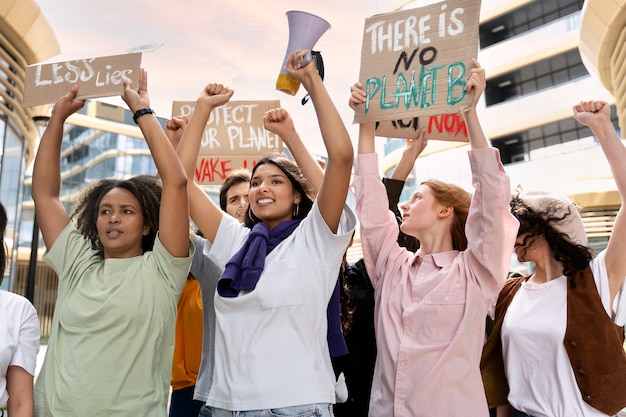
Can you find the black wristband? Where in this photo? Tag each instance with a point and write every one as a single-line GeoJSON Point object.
{"type": "Point", "coordinates": [141, 112]}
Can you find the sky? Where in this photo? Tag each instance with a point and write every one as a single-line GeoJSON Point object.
{"type": "Point", "coordinates": [239, 43]}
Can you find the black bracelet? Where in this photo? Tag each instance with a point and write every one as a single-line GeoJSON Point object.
{"type": "Point", "coordinates": [141, 112]}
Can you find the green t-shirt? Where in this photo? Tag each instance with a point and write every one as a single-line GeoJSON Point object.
{"type": "Point", "coordinates": [112, 339]}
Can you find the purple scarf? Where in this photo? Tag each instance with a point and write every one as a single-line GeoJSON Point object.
{"type": "Point", "coordinates": [243, 270]}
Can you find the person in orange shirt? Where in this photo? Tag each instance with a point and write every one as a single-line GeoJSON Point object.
{"type": "Point", "coordinates": [189, 325]}
{"type": "Point", "coordinates": [187, 351]}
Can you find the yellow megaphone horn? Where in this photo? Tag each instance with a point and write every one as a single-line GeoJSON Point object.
{"type": "Point", "coordinates": [305, 29]}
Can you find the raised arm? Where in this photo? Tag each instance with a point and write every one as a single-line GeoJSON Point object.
{"type": "Point", "coordinates": [597, 115]}
{"type": "Point", "coordinates": [279, 122]}
{"type": "Point", "coordinates": [395, 183]}
{"type": "Point", "coordinates": [204, 212]}
{"type": "Point", "coordinates": [51, 215]}
{"type": "Point", "coordinates": [174, 211]}
{"type": "Point", "coordinates": [476, 82]}
{"type": "Point", "coordinates": [367, 131]}
{"type": "Point", "coordinates": [413, 149]}
{"type": "Point", "coordinates": [334, 189]}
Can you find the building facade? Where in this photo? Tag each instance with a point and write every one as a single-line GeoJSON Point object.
{"type": "Point", "coordinates": [25, 38]}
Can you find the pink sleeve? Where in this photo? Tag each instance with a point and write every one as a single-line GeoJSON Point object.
{"type": "Point", "coordinates": [379, 229]}
{"type": "Point", "coordinates": [491, 229]}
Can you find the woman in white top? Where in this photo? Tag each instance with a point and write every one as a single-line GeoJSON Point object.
{"type": "Point", "coordinates": [549, 367]}
{"type": "Point", "coordinates": [271, 351]}
{"type": "Point", "coordinates": [19, 345]}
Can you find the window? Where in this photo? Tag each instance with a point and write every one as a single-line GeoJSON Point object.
{"type": "Point", "coordinates": [535, 77]}
{"type": "Point", "coordinates": [544, 140]}
{"type": "Point", "coordinates": [531, 16]}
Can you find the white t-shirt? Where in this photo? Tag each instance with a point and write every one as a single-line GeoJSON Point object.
{"type": "Point", "coordinates": [537, 367]}
{"type": "Point", "coordinates": [19, 338]}
{"type": "Point", "coordinates": [271, 349]}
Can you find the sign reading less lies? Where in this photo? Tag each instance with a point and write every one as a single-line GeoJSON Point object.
{"type": "Point", "coordinates": [233, 138]}
{"type": "Point", "coordinates": [414, 65]}
{"type": "Point", "coordinates": [95, 77]}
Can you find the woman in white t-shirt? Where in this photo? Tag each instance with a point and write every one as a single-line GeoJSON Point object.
{"type": "Point", "coordinates": [19, 344]}
{"type": "Point", "coordinates": [271, 350]}
{"type": "Point", "coordinates": [561, 336]}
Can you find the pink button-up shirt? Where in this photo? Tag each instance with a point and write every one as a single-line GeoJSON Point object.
{"type": "Point", "coordinates": [430, 310]}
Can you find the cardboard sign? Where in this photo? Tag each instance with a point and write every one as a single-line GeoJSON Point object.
{"type": "Point", "coordinates": [449, 126]}
{"type": "Point", "coordinates": [95, 77]}
{"type": "Point", "coordinates": [414, 64]}
{"type": "Point", "coordinates": [234, 138]}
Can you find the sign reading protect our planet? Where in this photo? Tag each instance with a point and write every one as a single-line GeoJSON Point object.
{"type": "Point", "coordinates": [414, 67]}
{"type": "Point", "coordinates": [233, 138]}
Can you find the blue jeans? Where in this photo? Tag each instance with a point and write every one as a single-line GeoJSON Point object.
{"type": "Point", "coordinates": [182, 403]}
{"type": "Point", "coordinates": [517, 413]}
{"type": "Point", "coordinates": [309, 410]}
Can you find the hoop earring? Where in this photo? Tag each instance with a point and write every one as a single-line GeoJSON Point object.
{"type": "Point", "coordinates": [296, 211]}
{"type": "Point", "coordinates": [250, 215]}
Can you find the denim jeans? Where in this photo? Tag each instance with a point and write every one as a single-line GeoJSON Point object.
{"type": "Point", "coordinates": [309, 410]}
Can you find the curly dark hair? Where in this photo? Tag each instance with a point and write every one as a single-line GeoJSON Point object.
{"type": "Point", "coordinates": [146, 188]}
{"type": "Point", "coordinates": [574, 257]}
{"type": "Point", "coordinates": [299, 183]}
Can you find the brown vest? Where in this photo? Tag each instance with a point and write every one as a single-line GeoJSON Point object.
{"type": "Point", "coordinates": [594, 345]}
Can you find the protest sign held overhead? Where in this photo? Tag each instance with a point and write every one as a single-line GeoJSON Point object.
{"type": "Point", "coordinates": [414, 67]}
{"type": "Point", "coordinates": [233, 138]}
{"type": "Point", "coordinates": [96, 77]}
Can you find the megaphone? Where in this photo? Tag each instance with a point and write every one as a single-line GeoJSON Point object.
{"type": "Point", "coordinates": [305, 29]}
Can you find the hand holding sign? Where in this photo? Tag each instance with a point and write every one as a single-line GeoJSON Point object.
{"type": "Point", "coordinates": [476, 82]}
{"type": "Point", "coordinates": [357, 95]}
{"type": "Point", "coordinates": [96, 77]}
{"type": "Point", "coordinates": [138, 99]}
{"type": "Point", "coordinates": [68, 104]}
{"type": "Point", "coordinates": [414, 67]}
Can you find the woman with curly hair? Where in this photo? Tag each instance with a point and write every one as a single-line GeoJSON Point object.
{"type": "Point", "coordinates": [557, 345]}
{"type": "Point", "coordinates": [122, 260]}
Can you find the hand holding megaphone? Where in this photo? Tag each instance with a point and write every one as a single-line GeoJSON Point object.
{"type": "Point", "coordinates": [301, 66]}
{"type": "Point", "coordinates": [308, 57]}
{"type": "Point", "coordinates": [304, 31]}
